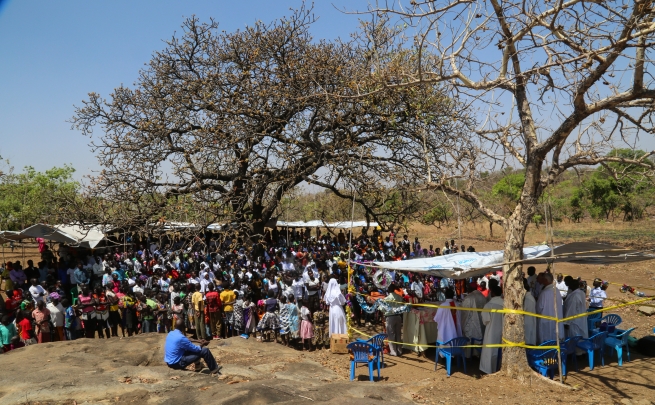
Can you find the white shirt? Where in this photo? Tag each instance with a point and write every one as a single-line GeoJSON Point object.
{"type": "Point", "coordinates": [98, 269]}
{"type": "Point", "coordinates": [137, 289]}
{"type": "Point", "coordinates": [36, 291]}
{"type": "Point", "coordinates": [562, 288]}
{"type": "Point", "coordinates": [56, 314]}
{"type": "Point", "coordinates": [311, 283]}
{"type": "Point", "coordinates": [597, 297]}
{"type": "Point", "coordinates": [203, 285]}
{"type": "Point", "coordinates": [417, 287]}
{"type": "Point", "coordinates": [298, 287]}
{"type": "Point", "coordinates": [203, 272]}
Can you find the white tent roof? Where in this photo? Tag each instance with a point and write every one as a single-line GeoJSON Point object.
{"type": "Point", "coordinates": [460, 265]}
{"type": "Point", "coordinates": [320, 223]}
{"type": "Point", "coordinates": [6, 236]}
{"type": "Point", "coordinates": [70, 234]}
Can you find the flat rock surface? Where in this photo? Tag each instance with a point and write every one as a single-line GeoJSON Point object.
{"type": "Point", "coordinates": [131, 370]}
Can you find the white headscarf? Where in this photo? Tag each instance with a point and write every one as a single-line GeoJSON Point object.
{"type": "Point", "coordinates": [333, 294]}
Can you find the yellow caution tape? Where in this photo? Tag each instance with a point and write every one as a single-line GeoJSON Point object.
{"type": "Point", "coordinates": [521, 312]}
{"type": "Point", "coordinates": [625, 304]}
{"type": "Point", "coordinates": [494, 345]}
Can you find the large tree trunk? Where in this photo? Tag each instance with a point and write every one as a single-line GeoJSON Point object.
{"type": "Point", "coordinates": [514, 363]}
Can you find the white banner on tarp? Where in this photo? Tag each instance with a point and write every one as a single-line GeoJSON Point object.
{"type": "Point", "coordinates": [460, 265]}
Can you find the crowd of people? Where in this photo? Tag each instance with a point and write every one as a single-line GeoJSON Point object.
{"type": "Point", "coordinates": [290, 287]}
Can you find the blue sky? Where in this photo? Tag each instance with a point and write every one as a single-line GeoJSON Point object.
{"type": "Point", "coordinates": [52, 53]}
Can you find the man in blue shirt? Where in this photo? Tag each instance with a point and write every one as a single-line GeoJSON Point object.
{"type": "Point", "coordinates": [179, 351]}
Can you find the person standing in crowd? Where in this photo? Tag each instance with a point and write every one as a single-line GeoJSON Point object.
{"type": "Point", "coordinates": [394, 320]}
{"type": "Point", "coordinates": [529, 322]}
{"type": "Point", "coordinates": [575, 304]}
{"type": "Point", "coordinates": [597, 295]}
{"type": "Point", "coordinates": [561, 286]}
{"type": "Point", "coordinates": [493, 333]}
{"type": "Point", "coordinates": [41, 316]}
{"type": "Point", "coordinates": [36, 291]}
{"type": "Point", "coordinates": [549, 297]}
{"type": "Point", "coordinates": [7, 333]}
{"type": "Point", "coordinates": [449, 321]}
{"type": "Point", "coordinates": [57, 314]}
{"type": "Point", "coordinates": [198, 302]}
{"type": "Point", "coordinates": [228, 298]}
{"type": "Point", "coordinates": [336, 301]}
{"type": "Point", "coordinates": [306, 326]}
{"type": "Point", "coordinates": [213, 307]}
{"type": "Point", "coordinates": [472, 326]}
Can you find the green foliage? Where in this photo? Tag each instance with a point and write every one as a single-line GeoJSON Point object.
{"type": "Point", "coordinates": [617, 188]}
{"type": "Point", "coordinates": [440, 213]}
{"type": "Point", "coordinates": [509, 186]}
{"type": "Point", "coordinates": [27, 198]}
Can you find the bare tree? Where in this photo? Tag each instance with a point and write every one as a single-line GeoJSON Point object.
{"type": "Point", "coordinates": [553, 84]}
{"type": "Point", "coordinates": [220, 126]}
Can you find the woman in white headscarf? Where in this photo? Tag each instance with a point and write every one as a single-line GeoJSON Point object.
{"type": "Point", "coordinates": [336, 300]}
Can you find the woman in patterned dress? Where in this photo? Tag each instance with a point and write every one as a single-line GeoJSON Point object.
{"type": "Point", "coordinates": [321, 335]}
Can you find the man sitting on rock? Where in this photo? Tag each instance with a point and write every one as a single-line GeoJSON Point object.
{"type": "Point", "coordinates": [180, 352]}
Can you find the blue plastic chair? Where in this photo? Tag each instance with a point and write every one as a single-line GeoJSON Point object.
{"type": "Point", "coordinates": [363, 352]}
{"type": "Point", "coordinates": [377, 342]}
{"type": "Point", "coordinates": [534, 354]}
{"type": "Point", "coordinates": [595, 343]}
{"type": "Point", "coordinates": [618, 340]}
{"type": "Point", "coordinates": [451, 349]}
{"type": "Point", "coordinates": [592, 319]}
{"type": "Point", "coordinates": [570, 344]}
{"type": "Point", "coordinates": [475, 341]}
{"type": "Point", "coordinates": [546, 362]}
{"type": "Point", "coordinates": [611, 319]}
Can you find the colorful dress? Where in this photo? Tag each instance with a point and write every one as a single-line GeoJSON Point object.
{"type": "Point", "coordinates": [238, 315]}
{"type": "Point", "coordinates": [270, 320]}
{"type": "Point", "coordinates": [294, 321]}
{"type": "Point", "coordinates": [250, 318]}
{"type": "Point", "coordinates": [321, 335]}
{"type": "Point", "coordinates": [284, 320]}
{"type": "Point", "coordinates": [306, 328]}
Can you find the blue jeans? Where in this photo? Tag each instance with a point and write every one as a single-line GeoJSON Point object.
{"type": "Point", "coordinates": [190, 358]}
{"type": "Point", "coordinates": [71, 334]}
{"type": "Point", "coordinates": [148, 326]}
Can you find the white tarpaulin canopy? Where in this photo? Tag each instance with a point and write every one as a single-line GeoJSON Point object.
{"type": "Point", "coordinates": [6, 236]}
{"type": "Point", "coordinates": [460, 265]}
{"type": "Point", "coordinates": [70, 234]}
{"type": "Point", "coordinates": [319, 223]}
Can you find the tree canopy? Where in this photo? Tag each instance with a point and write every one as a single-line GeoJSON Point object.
{"type": "Point", "coordinates": [220, 126]}
{"type": "Point", "coordinates": [29, 197]}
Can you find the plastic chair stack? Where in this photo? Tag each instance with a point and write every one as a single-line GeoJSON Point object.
{"type": "Point", "coordinates": [377, 342]}
{"type": "Point", "coordinates": [591, 321]}
{"type": "Point", "coordinates": [362, 352]}
{"type": "Point", "coordinates": [570, 344]}
{"type": "Point", "coordinates": [611, 320]}
{"type": "Point", "coordinates": [452, 349]}
{"type": "Point", "coordinates": [618, 340]}
{"type": "Point", "coordinates": [593, 344]}
{"type": "Point", "coordinates": [535, 354]}
{"type": "Point", "coordinates": [546, 363]}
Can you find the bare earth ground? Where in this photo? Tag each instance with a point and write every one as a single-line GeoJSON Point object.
{"type": "Point", "coordinates": [95, 371]}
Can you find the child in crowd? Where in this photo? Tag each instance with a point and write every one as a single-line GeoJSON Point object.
{"type": "Point", "coordinates": [306, 327]}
